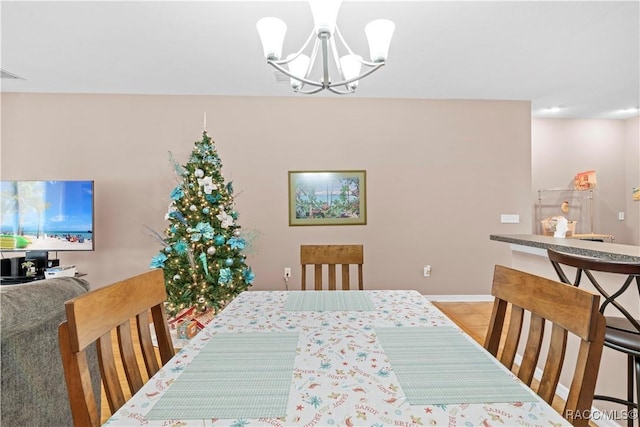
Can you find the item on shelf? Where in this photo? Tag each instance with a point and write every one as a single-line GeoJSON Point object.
{"type": "Point", "coordinates": [581, 205]}
{"type": "Point", "coordinates": [29, 268]}
{"type": "Point", "coordinates": [562, 226]}
{"type": "Point", "coordinates": [60, 271]}
{"type": "Point", "coordinates": [585, 180]}
{"type": "Point", "coordinates": [549, 226]}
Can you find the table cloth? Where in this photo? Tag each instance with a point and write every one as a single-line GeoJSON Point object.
{"type": "Point", "coordinates": [349, 368]}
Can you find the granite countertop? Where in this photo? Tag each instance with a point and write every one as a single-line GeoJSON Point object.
{"type": "Point", "coordinates": [603, 250]}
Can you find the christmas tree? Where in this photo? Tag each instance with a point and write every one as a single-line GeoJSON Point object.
{"type": "Point", "coordinates": [202, 258]}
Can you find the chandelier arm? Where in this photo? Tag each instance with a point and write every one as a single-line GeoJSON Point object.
{"type": "Point", "coordinates": [369, 63]}
{"type": "Point", "coordinates": [337, 31]}
{"type": "Point", "coordinates": [309, 92]}
{"type": "Point", "coordinates": [362, 61]}
{"type": "Point", "coordinates": [312, 60]}
{"type": "Point", "coordinates": [295, 55]}
{"type": "Point", "coordinates": [307, 73]}
{"type": "Point", "coordinates": [286, 72]}
{"type": "Point", "coordinates": [361, 76]}
{"type": "Point", "coordinates": [341, 92]}
{"type": "Point", "coordinates": [321, 85]}
{"type": "Point", "coordinates": [336, 57]}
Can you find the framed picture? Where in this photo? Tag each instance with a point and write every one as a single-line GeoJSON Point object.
{"type": "Point", "coordinates": [327, 197]}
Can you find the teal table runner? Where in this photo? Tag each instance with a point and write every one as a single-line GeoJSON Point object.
{"type": "Point", "coordinates": [328, 301]}
{"type": "Point", "coordinates": [438, 366]}
{"type": "Point", "coordinates": [236, 375]}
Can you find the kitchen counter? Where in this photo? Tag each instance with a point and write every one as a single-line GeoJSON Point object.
{"type": "Point", "coordinates": [603, 250]}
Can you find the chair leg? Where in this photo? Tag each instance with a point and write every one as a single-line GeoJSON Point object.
{"type": "Point", "coordinates": [633, 382]}
{"type": "Point", "coordinates": [637, 404]}
{"type": "Point", "coordinates": [633, 364]}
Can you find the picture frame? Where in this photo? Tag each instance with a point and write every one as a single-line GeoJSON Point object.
{"type": "Point", "coordinates": [330, 197]}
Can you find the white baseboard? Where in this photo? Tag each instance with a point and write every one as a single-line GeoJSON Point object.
{"type": "Point", "coordinates": [460, 298]}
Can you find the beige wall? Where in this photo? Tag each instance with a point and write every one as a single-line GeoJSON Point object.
{"type": "Point", "coordinates": [561, 148]}
{"type": "Point", "coordinates": [439, 174]}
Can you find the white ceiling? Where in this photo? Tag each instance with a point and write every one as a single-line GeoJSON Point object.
{"type": "Point", "coordinates": [582, 55]}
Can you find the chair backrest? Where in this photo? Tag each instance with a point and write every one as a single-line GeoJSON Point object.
{"type": "Point", "coordinates": [629, 272]}
{"type": "Point", "coordinates": [91, 318]}
{"type": "Point", "coordinates": [331, 255]}
{"type": "Point", "coordinates": [568, 309]}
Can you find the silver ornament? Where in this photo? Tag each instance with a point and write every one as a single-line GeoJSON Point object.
{"type": "Point", "coordinates": [236, 233]}
{"type": "Point", "coordinates": [193, 208]}
{"type": "Point", "coordinates": [176, 277]}
{"type": "Point", "coordinates": [199, 173]}
{"type": "Point", "coordinates": [211, 250]}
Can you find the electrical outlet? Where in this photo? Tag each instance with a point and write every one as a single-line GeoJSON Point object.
{"type": "Point", "coordinates": [427, 271]}
{"type": "Point", "coordinates": [510, 218]}
{"type": "Point", "coordinates": [287, 273]}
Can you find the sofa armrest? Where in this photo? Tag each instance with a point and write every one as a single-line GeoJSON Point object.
{"type": "Point", "coordinates": [30, 305]}
{"type": "Point", "coordinates": [34, 391]}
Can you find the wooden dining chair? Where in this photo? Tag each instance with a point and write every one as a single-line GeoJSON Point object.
{"type": "Point", "coordinates": [331, 256]}
{"type": "Point", "coordinates": [623, 329]}
{"type": "Point", "coordinates": [91, 318]}
{"type": "Point", "coordinates": [568, 310]}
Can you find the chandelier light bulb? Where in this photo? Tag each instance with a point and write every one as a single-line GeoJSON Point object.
{"type": "Point", "coordinates": [351, 65]}
{"type": "Point", "coordinates": [379, 33]}
{"type": "Point", "coordinates": [272, 31]}
{"type": "Point", "coordinates": [325, 15]}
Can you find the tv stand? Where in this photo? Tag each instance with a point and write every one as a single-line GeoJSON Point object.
{"type": "Point", "coordinates": [12, 271]}
{"type": "Point", "coordinates": [18, 280]}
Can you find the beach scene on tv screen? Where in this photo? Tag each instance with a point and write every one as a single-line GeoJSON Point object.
{"type": "Point", "coordinates": [46, 215]}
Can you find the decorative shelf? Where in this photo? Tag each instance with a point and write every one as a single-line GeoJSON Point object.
{"type": "Point", "coordinates": [581, 208]}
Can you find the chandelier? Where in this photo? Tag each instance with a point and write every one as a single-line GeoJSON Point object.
{"type": "Point", "coordinates": [300, 66]}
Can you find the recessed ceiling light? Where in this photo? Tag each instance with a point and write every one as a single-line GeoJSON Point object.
{"type": "Point", "coordinates": [554, 109]}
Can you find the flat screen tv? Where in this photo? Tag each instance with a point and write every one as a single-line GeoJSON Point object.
{"type": "Point", "coordinates": [46, 216]}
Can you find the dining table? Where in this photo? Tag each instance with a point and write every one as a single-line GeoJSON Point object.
{"type": "Point", "coordinates": [334, 358]}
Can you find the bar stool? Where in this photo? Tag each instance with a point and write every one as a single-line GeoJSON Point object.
{"type": "Point", "coordinates": [623, 331]}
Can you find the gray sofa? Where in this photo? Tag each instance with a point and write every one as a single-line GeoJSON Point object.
{"type": "Point", "coordinates": [34, 391]}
